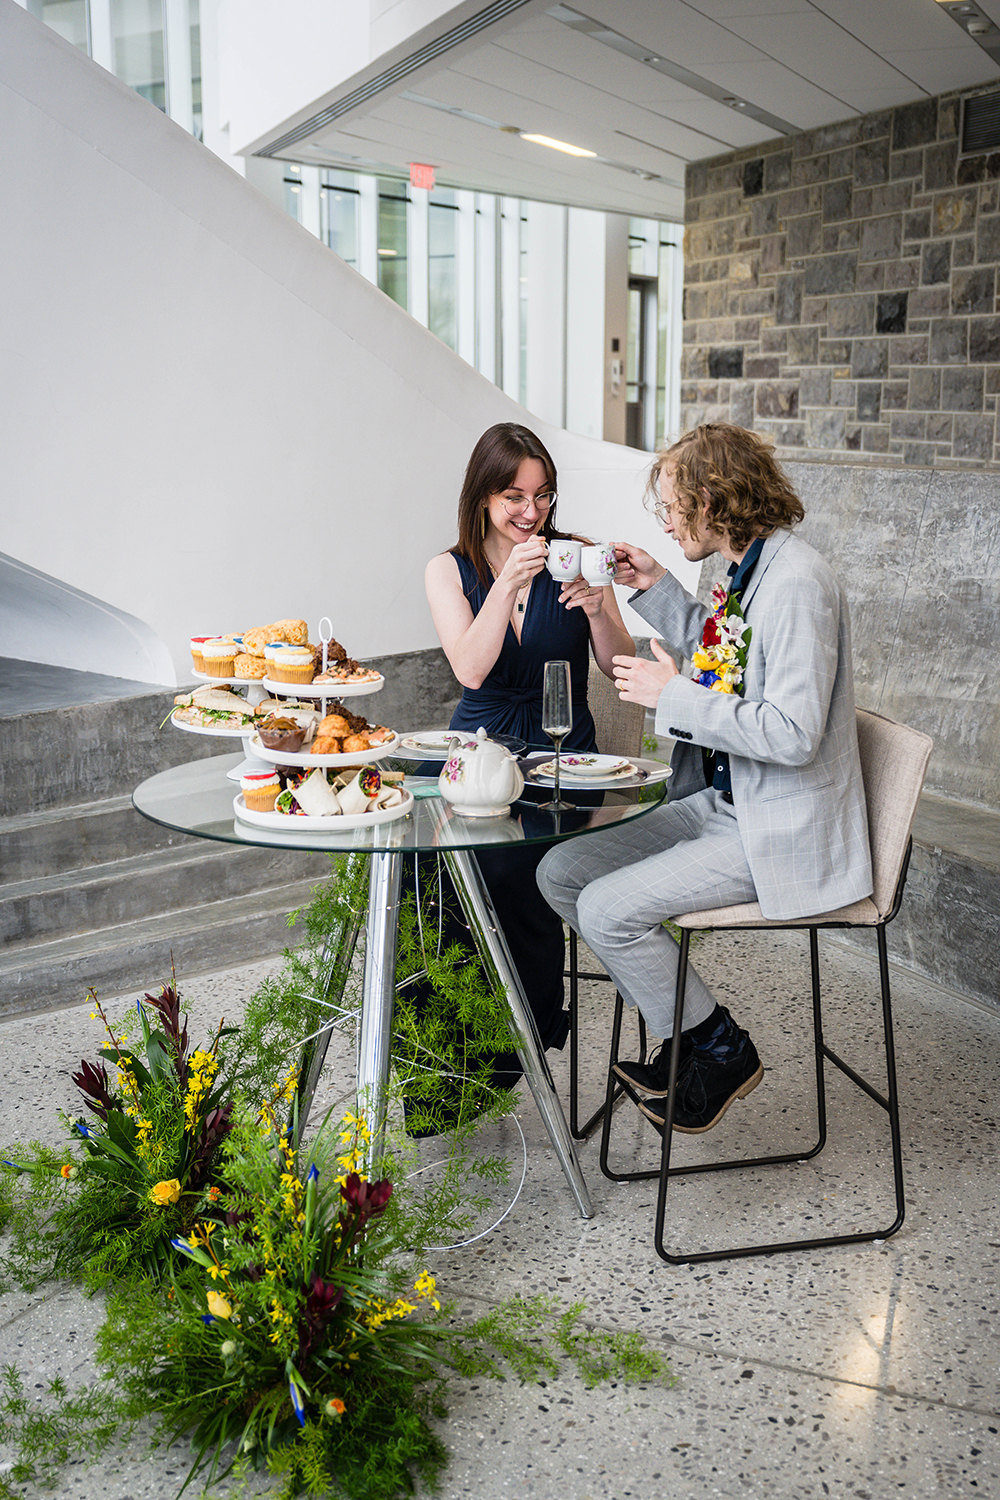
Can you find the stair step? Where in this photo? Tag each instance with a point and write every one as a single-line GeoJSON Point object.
{"type": "Point", "coordinates": [147, 884]}
{"type": "Point", "coordinates": [138, 954]}
{"type": "Point", "coordinates": [77, 838]}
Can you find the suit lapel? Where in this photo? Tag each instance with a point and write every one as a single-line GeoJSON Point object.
{"type": "Point", "coordinates": [772, 547]}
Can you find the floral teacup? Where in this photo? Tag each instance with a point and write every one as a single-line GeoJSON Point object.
{"type": "Point", "coordinates": [598, 565]}
{"type": "Point", "coordinates": [563, 561]}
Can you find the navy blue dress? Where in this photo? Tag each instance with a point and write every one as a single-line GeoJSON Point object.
{"type": "Point", "coordinates": [510, 702]}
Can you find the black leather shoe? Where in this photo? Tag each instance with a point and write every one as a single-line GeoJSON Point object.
{"type": "Point", "coordinates": [707, 1087]}
{"type": "Point", "coordinates": [651, 1077]}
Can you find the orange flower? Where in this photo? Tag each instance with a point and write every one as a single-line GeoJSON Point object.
{"type": "Point", "coordinates": [335, 1407]}
{"type": "Point", "coordinates": [214, 1194]}
{"type": "Point", "coordinates": [66, 1170]}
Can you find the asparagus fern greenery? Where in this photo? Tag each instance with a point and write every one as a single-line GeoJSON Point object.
{"type": "Point", "coordinates": [267, 1296]}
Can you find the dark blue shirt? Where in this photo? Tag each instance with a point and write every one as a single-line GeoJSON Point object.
{"type": "Point", "coordinates": [717, 770]}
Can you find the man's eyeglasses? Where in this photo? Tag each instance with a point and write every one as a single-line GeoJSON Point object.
{"type": "Point", "coordinates": [516, 507]}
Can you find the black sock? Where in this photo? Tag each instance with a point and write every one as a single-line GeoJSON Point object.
{"type": "Point", "coordinates": [718, 1033]}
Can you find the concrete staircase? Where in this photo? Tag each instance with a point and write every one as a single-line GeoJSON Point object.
{"type": "Point", "coordinates": [92, 894]}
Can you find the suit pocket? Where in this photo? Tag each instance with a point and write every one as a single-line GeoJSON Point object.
{"type": "Point", "coordinates": [794, 784]}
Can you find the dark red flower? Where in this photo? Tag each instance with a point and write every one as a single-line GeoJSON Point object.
{"type": "Point", "coordinates": [711, 635]}
{"type": "Point", "coordinates": [321, 1304]}
{"type": "Point", "coordinates": [366, 1197]}
{"type": "Point", "coordinates": [93, 1085]}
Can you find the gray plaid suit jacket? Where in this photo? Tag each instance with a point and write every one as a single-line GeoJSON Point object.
{"type": "Point", "coordinates": [792, 737]}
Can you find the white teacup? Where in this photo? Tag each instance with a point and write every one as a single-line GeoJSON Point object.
{"type": "Point", "coordinates": [597, 564]}
{"type": "Point", "coordinates": [563, 561]}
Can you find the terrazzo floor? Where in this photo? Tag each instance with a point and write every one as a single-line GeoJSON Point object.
{"type": "Point", "coordinates": [863, 1371]}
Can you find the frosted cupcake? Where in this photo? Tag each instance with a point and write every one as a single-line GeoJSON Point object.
{"type": "Point", "coordinates": [219, 657]}
{"type": "Point", "coordinates": [260, 790]}
{"type": "Point", "coordinates": [197, 660]}
{"type": "Point", "coordinates": [291, 664]}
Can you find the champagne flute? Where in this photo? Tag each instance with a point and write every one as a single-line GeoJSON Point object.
{"type": "Point", "coordinates": [557, 718]}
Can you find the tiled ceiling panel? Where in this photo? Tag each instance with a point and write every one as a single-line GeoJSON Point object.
{"type": "Point", "coordinates": [649, 85]}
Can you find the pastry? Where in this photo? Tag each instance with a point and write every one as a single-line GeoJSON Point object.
{"type": "Point", "coordinates": [337, 724]}
{"type": "Point", "coordinates": [291, 664]}
{"type": "Point", "coordinates": [326, 744]}
{"type": "Point", "coordinates": [296, 632]}
{"type": "Point", "coordinates": [260, 790]}
{"type": "Point", "coordinates": [256, 639]}
{"type": "Point", "coordinates": [249, 666]}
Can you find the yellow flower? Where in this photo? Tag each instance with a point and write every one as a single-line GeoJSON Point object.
{"type": "Point", "coordinates": [165, 1192]}
{"type": "Point", "coordinates": [218, 1305]}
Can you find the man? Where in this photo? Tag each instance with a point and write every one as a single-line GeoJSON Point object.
{"type": "Point", "coordinates": [766, 799]}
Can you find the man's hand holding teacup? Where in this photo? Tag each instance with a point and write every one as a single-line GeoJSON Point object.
{"type": "Point", "coordinates": [641, 681]}
{"type": "Point", "coordinates": [636, 569]}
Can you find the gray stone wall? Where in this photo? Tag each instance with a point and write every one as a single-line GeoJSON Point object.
{"type": "Point", "coordinates": [840, 291]}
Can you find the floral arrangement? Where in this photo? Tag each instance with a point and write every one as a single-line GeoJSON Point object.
{"type": "Point", "coordinates": [268, 1300]}
{"type": "Point", "coordinates": [720, 660]}
{"type": "Point", "coordinates": [291, 1340]}
{"type": "Point", "coordinates": [145, 1164]}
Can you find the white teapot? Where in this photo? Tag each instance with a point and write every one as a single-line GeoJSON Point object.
{"type": "Point", "coordinates": [480, 777]}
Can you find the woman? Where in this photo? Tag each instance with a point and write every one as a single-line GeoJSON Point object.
{"type": "Point", "coordinates": [500, 616]}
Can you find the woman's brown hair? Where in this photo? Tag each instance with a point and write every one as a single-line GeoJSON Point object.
{"type": "Point", "coordinates": [492, 467]}
{"type": "Point", "coordinates": [735, 469]}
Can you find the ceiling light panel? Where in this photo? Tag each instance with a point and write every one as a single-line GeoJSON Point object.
{"type": "Point", "coordinates": [659, 61]}
{"type": "Point", "coordinates": [976, 23]}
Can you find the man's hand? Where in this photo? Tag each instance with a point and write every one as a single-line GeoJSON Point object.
{"type": "Point", "coordinates": [641, 681]}
{"type": "Point", "coordinates": [636, 569]}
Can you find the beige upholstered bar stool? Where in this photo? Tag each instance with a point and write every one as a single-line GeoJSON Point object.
{"type": "Point", "coordinates": [619, 727]}
{"type": "Point", "coordinates": [894, 763]}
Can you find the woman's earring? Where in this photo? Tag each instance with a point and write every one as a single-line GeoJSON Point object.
{"type": "Point", "coordinates": [482, 522]}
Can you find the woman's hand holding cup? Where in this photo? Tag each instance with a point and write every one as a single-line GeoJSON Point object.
{"type": "Point", "coordinates": [525, 560]}
{"type": "Point", "coordinates": [579, 594]}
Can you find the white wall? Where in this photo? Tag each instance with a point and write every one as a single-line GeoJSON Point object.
{"type": "Point", "coordinates": [208, 420]}
{"type": "Point", "coordinates": [278, 57]}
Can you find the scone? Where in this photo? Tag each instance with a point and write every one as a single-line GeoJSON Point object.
{"type": "Point", "coordinates": [245, 665]}
{"type": "Point", "coordinates": [295, 632]}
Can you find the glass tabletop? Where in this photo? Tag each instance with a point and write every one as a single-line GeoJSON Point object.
{"type": "Point", "coordinates": [197, 798]}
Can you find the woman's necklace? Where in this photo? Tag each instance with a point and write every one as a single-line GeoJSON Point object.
{"type": "Point", "coordinates": [524, 590]}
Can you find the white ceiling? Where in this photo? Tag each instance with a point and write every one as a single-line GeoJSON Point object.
{"type": "Point", "coordinates": [647, 99]}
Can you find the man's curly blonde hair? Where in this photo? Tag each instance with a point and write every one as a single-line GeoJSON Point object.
{"type": "Point", "coordinates": [736, 470]}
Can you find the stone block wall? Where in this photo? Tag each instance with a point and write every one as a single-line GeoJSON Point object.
{"type": "Point", "coordinates": [841, 291]}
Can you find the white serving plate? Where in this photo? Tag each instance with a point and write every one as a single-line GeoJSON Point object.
{"type": "Point", "coordinates": [226, 681]}
{"type": "Point", "coordinates": [299, 758]}
{"type": "Point", "coordinates": [222, 733]}
{"type": "Point", "coordinates": [642, 773]}
{"type": "Point", "coordinates": [339, 823]}
{"type": "Point", "coordinates": [586, 764]}
{"type": "Point", "coordinates": [323, 689]}
{"type": "Point", "coordinates": [432, 744]}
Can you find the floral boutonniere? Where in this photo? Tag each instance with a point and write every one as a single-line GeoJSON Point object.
{"type": "Point", "coordinates": [721, 659]}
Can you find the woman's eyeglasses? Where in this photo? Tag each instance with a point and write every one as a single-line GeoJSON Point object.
{"type": "Point", "coordinates": [542, 503]}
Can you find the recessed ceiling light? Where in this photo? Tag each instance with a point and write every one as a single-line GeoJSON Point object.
{"type": "Point", "coordinates": [546, 140]}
